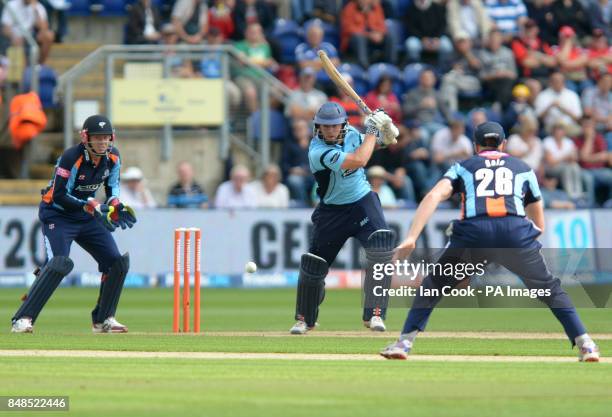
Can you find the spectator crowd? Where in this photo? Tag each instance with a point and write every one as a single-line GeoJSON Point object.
{"type": "Point", "coordinates": [542, 68]}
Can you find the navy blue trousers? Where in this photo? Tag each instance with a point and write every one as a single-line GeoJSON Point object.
{"type": "Point", "coordinates": [510, 242]}
{"type": "Point", "coordinates": [60, 231]}
{"type": "Point", "coordinates": [334, 224]}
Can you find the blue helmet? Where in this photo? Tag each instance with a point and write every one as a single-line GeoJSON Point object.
{"type": "Point", "coordinates": [331, 113]}
{"type": "Point", "coordinates": [489, 134]}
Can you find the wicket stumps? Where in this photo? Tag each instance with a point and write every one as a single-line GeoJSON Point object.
{"type": "Point", "coordinates": [186, 237]}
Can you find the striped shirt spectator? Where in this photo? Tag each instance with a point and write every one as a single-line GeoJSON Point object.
{"type": "Point", "coordinates": [507, 15]}
{"type": "Point", "coordinates": [186, 193]}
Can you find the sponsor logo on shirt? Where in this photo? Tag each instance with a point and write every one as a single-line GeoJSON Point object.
{"type": "Point", "coordinates": [87, 188]}
{"type": "Point", "coordinates": [62, 172]}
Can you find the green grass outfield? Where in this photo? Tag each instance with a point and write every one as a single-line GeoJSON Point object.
{"type": "Point", "coordinates": [139, 387]}
{"type": "Point", "coordinates": [273, 387]}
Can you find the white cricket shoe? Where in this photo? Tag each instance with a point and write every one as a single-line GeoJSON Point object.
{"type": "Point", "coordinates": [588, 352]}
{"type": "Point", "coordinates": [397, 350]}
{"type": "Point", "coordinates": [110, 325]}
{"type": "Point", "coordinates": [22, 325]}
{"type": "Point", "coordinates": [376, 324]}
{"type": "Point", "coordinates": [301, 328]}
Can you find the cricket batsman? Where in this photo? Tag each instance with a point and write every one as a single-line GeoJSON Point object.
{"type": "Point", "coordinates": [497, 192]}
{"type": "Point", "coordinates": [348, 208]}
{"type": "Point", "coordinates": [70, 213]}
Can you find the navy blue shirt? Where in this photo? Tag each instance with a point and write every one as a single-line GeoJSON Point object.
{"type": "Point", "coordinates": [494, 184]}
{"type": "Point", "coordinates": [76, 178]}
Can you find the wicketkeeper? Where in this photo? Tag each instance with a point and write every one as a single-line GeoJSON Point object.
{"type": "Point", "coordinates": [348, 208]}
{"type": "Point", "coordinates": [69, 213]}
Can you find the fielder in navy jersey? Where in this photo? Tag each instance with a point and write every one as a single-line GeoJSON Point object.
{"type": "Point", "coordinates": [70, 213]}
{"type": "Point", "coordinates": [347, 208]}
{"type": "Point", "coordinates": [497, 193]}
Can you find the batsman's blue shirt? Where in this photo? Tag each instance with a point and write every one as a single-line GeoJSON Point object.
{"type": "Point", "coordinates": [336, 185]}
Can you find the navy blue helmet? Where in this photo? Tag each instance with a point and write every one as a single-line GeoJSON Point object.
{"type": "Point", "coordinates": [97, 125]}
{"type": "Point", "coordinates": [331, 113]}
{"type": "Point", "coordinates": [489, 134]}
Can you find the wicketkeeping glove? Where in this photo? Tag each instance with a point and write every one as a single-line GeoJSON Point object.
{"type": "Point", "coordinates": [101, 212]}
{"type": "Point", "coordinates": [122, 215]}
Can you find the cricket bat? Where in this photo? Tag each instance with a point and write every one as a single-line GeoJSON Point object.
{"type": "Point", "coordinates": [341, 83]}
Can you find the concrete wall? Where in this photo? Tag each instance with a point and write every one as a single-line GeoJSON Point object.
{"type": "Point", "coordinates": [201, 148]}
{"type": "Point", "coordinates": [95, 29]}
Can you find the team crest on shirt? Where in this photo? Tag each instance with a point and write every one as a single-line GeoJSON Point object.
{"type": "Point", "coordinates": [106, 174]}
{"type": "Point", "coordinates": [81, 177]}
{"type": "Point", "coordinates": [51, 226]}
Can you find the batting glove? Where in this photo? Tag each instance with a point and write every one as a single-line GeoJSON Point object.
{"type": "Point", "coordinates": [389, 135]}
{"type": "Point", "coordinates": [375, 122]}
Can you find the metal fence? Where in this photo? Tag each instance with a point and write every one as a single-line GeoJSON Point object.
{"type": "Point", "coordinates": [111, 55]}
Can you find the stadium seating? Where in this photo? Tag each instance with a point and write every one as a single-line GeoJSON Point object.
{"type": "Point", "coordinates": [402, 7]}
{"type": "Point", "coordinates": [21, 192]}
{"type": "Point", "coordinates": [411, 75]}
{"type": "Point", "coordinates": [378, 70]}
{"type": "Point", "coordinates": [396, 31]}
{"type": "Point", "coordinates": [289, 35]}
{"type": "Point", "coordinates": [157, 3]}
{"type": "Point", "coordinates": [330, 32]}
{"type": "Point", "coordinates": [279, 128]}
{"type": "Point", "coordinates": [113, 8]}
{"type": "Point", "coordinates": [360, 78]}
{"type": "Point", "coordinates": [79, 8]}
{"type": "Point", "coordinates": [46, 87]}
